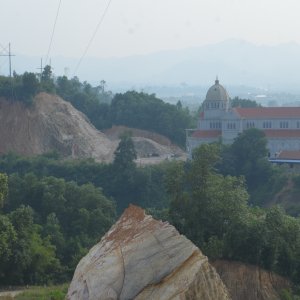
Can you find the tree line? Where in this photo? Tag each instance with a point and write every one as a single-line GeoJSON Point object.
{"type": "Point", "coordinates": [132, 109]}
{"type": "Point", "coordinates": [46, 225]}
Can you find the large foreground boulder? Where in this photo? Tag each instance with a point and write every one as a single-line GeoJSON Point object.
{"type": "Point", "coordinates": [142, 258]}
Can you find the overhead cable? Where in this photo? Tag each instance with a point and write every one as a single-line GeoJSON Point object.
{"type": "Point", "coordinates": [4, 49]}
{"type": "Point", "coordinates": [53, 30]}
{"type": "Point", "coordinates": [92, 38]}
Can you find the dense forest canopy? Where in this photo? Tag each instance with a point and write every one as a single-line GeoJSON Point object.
{"type": "Point", "coordinates": [56, 210]}
{"type": "Point", "coordinates": [66, 207]}
{"type": "Point", "coordinates": [212, 210]}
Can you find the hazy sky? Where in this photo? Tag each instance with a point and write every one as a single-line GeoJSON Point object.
{"type": "Point", "coordinates": [143, 26]}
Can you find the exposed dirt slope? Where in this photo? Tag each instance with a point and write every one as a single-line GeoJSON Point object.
{"type": "Point", "coordinates": [150, 147]}
{"type": "Point", "coordinates": [51, 124]}
{"type": "Point", "coordinates": [116, 131]}
{"type": "Point", "coordinates": [249, 282]}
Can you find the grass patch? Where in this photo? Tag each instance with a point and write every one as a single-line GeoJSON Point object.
{"type": "Point", "coordinates": [57, 292]}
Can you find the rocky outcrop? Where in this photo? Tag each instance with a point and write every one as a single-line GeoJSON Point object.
{"type": "Point", "coordinates": [249, 282]}
{"type": "Point", "coordinates": [142, 258]}
{"type": "Point", "coordinates": [51, 124]}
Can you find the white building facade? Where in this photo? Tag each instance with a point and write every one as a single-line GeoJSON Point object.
{"type": "Point", "coordinates": [220, 122]}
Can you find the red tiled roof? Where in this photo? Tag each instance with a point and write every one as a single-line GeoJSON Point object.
{"type": "Point", "coordinates": [268, 112]}
{"type": "Point", "coordinates": [284, 133]}
{"type": "Point", "coordinates": [289, 155]}
{"type": "Point", "coordinates": [207, 133]}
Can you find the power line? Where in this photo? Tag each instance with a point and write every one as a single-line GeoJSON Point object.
{"type": "Point", "coordinates": [93, 36]}
{"type": "Point", "coordinates": [4, 49]}
{"type": "Point", "coordinates": [53, 30]}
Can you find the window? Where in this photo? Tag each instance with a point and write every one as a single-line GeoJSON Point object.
{"type": "Point", "coordinates": [284, 124]}
{"type": "Point", "coordinates": [250, 125]}
{"type": "Point", "coordinates": [267, 124]}
{"type": "Point", "coordinates": [215, 125]}
{"type": "Point", "coordinates": [231, 125]}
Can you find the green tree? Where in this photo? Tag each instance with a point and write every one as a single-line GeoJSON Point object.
{"type": "Point", "coordinates": [249, 152]}
{"type": "Point", "coordinates": [238, 102]}
{"type": "Point", "coordinates": [250, 146]}
{"type": "Point", "coordinates": [47, 82]}
{"type": "Point", "coordinates": [47, 73]}
{"type": "Point", "coordinates": [140, 110]}
{"type": "Point", "coordinates": [7, 242]}
{"type": "Point", "coordinates": [125, 181]}
{"type": "Point", "coordinates": [205, 203]}
{"type": "Point", "coordinates": [175, 181]}
{"type": "Point", "coordinates": [3, 188]}
{"type": "Point", "coordinates": [53, 232]}
{"type": "Point", "coordinates": [30, 87]}
{"type": "Point", "coordinates": [5, 87]}
{"type": "Point", "coordinates": [125, 154]}
{"type": "Point", "coordinates": [33, 259]}
{"type": "Point", "coordinates": [68, 219]}
{"type": "Point", "coordinates": [248, 157]}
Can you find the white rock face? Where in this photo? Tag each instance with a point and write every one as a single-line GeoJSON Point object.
{"type": "Point", "coordinates": [142, 258]}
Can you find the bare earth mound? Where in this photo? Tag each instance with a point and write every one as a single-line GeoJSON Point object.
{"type": "Point", "coordinates": [142, 258]}
{"type": "Point", "coordinates": [151, 147]}
{"type": "Point", "coordinates": [51, 124]}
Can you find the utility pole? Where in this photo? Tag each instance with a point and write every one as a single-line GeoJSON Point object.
{"type": "Point", "coordinates": [41, 69]}
{"type": "Point", "coordinates": [9, 58]}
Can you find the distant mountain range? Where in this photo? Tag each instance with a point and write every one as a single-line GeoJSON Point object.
{"type": "Point", "coordinates": [236, 62]}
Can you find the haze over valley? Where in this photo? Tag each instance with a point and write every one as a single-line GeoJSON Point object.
{"type": "Point", "coordinates": [267, 74]}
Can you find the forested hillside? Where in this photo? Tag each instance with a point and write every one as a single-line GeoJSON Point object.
{"type": "Point", "coordinates": [53, 210]}
{"type": "Point", "coordinates": [68, 205]}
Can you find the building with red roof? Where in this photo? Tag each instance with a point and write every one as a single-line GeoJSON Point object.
{"type": "Point", "coordinates": [220, 122]}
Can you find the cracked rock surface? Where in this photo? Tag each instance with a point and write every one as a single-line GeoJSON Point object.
{"type": "Point", "coordinates": [142, 258]}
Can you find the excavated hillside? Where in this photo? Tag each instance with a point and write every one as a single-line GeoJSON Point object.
{"type": "Point", "coordinates": [52, 124]}
{"type": "Point", "coordinates": [250, 282]}
{"type": "Point", "coordinates": [150, 147]}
